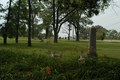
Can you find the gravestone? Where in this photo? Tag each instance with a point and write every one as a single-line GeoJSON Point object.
{"type": "Point", "coordinates": [39, 38]}
{"type": "Point", "coordinates": [92, 43]}
{"type": "Point", "coordinates": [41, 41]}
{"type": "Point", "coordinates": [81, 58]}
{"type": "Point", "coordinates": [59, 38]}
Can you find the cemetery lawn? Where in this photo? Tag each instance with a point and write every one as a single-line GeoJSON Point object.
{"type": "Point", "coordinates": [111, 49]}
{"type": "Point", "coordinates": [20, 62]}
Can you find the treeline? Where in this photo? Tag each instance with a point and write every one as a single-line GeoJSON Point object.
{"type": "Point", "coordinates": [101, 33]}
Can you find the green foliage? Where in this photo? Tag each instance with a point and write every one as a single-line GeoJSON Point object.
{"type": "Point", "coordinates": [113, 34]}
{"type": "Point", "coordinates": [100, 32]}
{"type": "Point", "coordinates": [23, 13]}
{"type": "Point", "coordinates": [2, 9]}
{"type": "Point", "coordinates": [21, 66]}
{"type": "Point", "coordinates": [102, 36]}
{"type": "Point", "coordinates": [2, 31]}
{"type": "Point", "coordinates": [84, 32]}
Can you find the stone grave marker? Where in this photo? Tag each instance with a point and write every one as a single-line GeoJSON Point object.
{"type": "Point", "coordinates": [92, 43]}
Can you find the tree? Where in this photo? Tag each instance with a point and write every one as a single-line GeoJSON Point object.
{"type": "Point", "coordinates": [19, 15]}
{"type": "Point", "coordinates": [23, 30]}
{"type": "Point", "coordinates": [29, 24]}
{"type": "Point", "coordinates": [79, 20]}
{"type": "Point", "coordinates": [102, 36]}
{"type": "Point", "coordinates": [63, 10]}
{"type": "Point", "coordinates": [36, 9]}
{"type": "Point", "coordinates": [76, 6]}
{"type": "Point", "coordinates": [48, 31]}
{"type": "Point", "coordinates": [112, 34]}
{"type": "Point", "coordinates": [1, 10]}
{"type": "Point", "coordinates": [6, 26]}
{"type": "Point", "coordinates": [100, 32]}
{"type": "Point", "coordinates": [47, 20]}
{"type": "Point", "coordinates": [84, 32]}
{"type": "Point", "coordinates": [118, 35]}
{"type": "Point", "coordinates": [1, 7]}
{"type": "Point", "coordinates": [14, 22]}
{"type": "Point", "coordinates": [18, 19]}
{"type": "Point", "coordinates": [67, 30]}
{"type": "Point", "coordinates": [2, 29]}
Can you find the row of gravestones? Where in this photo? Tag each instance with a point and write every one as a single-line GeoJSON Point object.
{"type": "Point", "coordinates": [62, 38]}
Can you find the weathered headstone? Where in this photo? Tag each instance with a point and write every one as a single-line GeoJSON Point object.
{"type": "Point", "coordinates": [39, 38]}
{"type": "Point", "coordinates": [59, 38]}
{"type": "Point", "coordinates": [92, 43]}
{"type": "Point", "coordinates": [81, 58]}
{"type": "Point", "coordinates": [55, 55]}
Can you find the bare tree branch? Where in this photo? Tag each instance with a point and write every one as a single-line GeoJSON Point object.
{"type": "Point", "coordinates": [64, 31]}
{"type": "Point", "coordinates": [67, 15]}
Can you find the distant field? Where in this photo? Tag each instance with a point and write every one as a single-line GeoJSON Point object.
{"type": "Point", "coordinates": [111, 49]}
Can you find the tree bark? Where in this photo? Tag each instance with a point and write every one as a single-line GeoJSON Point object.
{"type": "Point", "coordinates": [55, 36]}
{"type": "Point", "coordinates": [77, 35]}
{"type": "Point", "coordinates": [18, 22]}
{"type": "Point", "coordinates": [68, 37]}
{"type": "Point", "coordinates": [6, 27]}
{"type": "Point", "coordinates": [57, 27]}
{"type": "Point", "coordinates": [69, 33]}
{"type": "Point", "coordinates": [29, 24]}
{"type": "Point", "coordinates": [33, 17]}
{"type": "Point", "coordinates": [78, 26]}
{"type": "Point", "coordinates": [33, 31]}
{"type": "Point", "coordinates": [46, 35]}
{"type": "Point", "coordinates": [54, 27]}
{"type": "Point", "coordinates": [77, 32]}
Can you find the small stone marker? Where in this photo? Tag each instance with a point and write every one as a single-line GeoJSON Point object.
{"type": "Point", "coordinates": [59, 38]}
{"type": "Point", "coordinates": [81, 58]}
{"type": "Point", "coordinates": [41, 41]}
{"type": "Point", "coordinates": [51, 55]}
{"type": "Point", "coordinates": [92, 43]}
{"type": "Point", "coordinates": [55, 55]}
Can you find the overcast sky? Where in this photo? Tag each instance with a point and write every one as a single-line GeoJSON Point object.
{"type": "Point", "coordinates": [109, 19]}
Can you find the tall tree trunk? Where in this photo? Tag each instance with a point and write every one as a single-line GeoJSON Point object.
{"type": "Point", "coordinates": [29, 24]}
{"type": "Point", "coordinates": [77, 32]}
{"type": "Point", "coordinates": [56, 31]}
{"type": "Point", "coordinates": [78, 27]}
{"type": "Point", "coordinates": [69, 34]}
{"type": "Point", "coordinates": [54, 28]}
{"type": "Point", "coordinates": [18, 22]}
{"type": "Point", "coordinates": [55, 36]}
{"type": "Point", "coordinates": [68, 37]}
{"type": "Point", "coordinates": [46, 35]}
{"type": "Point", "coordinates": [6, 27]}
{"type": "Point", "coordinates": [33, 31]}
{"type": "Point", "coordinates": [77, 35]}
{"type": "Point", "coordinates": [33, 17]}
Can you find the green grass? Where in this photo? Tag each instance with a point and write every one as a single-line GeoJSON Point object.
{"type": "Point", "coordinates": [14, 64]}
{"type": "Point", "coordinates": [111, 49]}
